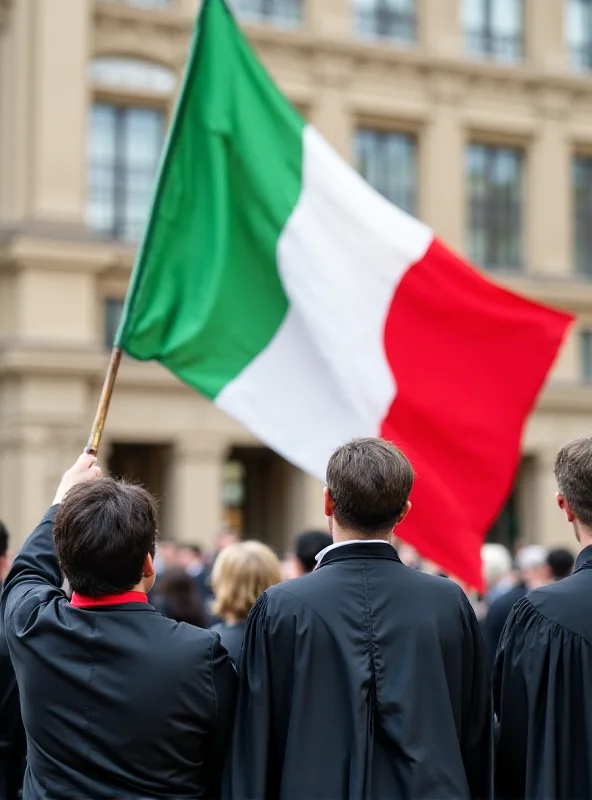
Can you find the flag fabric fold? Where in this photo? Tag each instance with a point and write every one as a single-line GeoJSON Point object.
{"type": "Point", "coordinates": [276, 282]}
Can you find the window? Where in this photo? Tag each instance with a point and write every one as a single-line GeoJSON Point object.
{"type": "Point", "coordinates": [123, 152]}
{"type": "Point", "coordinates": [389, 19]}
{"type": "Point", "coordinates": [582, 204]}
{"type": "Point", "coordinates": [494, 206]}
{"type": "Point", "coordinates": [285, 12]}
{"type": "Point", "coordinates": [578, 26]}
{"type": "Point", "coordinates": [586, 355]}
{"type": "Point", "coordinates": [388, 162]}
{"type": "Point", "coordinates": [112, 311]}
{"type": "Point", "coordinates": [494, 28]}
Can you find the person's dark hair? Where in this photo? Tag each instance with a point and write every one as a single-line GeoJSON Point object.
{"type": "Point", "coordinates": [180, 600]}
{"type": "Point", "coordinates": [561, 563]}
{"type": "Point", "coordinates": [370, 481]}
{"type": "Point", "coordinates": [3, 540]}
{"type": "Point", "coordinates": [308, 545]}
{"type": "Point", "coordinates": [573, 471]}
{"type": "Point", "coordinates": [103, 531]}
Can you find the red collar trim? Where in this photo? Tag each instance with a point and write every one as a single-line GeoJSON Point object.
{"type": "Point", "coordinates": [79, 601]}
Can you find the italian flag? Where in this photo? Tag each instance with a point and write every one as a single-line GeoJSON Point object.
{"type": "Point", "coordinates": [275, 281]}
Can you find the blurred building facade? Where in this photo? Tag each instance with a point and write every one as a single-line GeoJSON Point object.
{"type": "Point", "coordinates": [475, 115]}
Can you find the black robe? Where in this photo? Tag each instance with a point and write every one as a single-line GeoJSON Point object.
{"type": "Point", "coordinates": [543, 692]}
{"type": "Point", "coordinates": [13, 744]}
{"type": "Point", "coordinates": [363, 680]}
{"type": "Point", "coordinates": [117, 701]}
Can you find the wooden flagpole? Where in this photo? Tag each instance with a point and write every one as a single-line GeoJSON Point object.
{"type": "Point", "coordinates": [94, 440]}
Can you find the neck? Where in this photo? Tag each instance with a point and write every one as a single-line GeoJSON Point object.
{"type": "Point", "coordinates": [585, 538]}
{"type": "Point", "coordinates": [583, 533]}
{"type": "Point", "coordinates": [139, 587]}
{"type": "Point", "coordinates": [343, 535]}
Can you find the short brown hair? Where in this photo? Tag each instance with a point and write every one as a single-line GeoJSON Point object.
{"type": "Point", "coordinates": [370, 481]}
{"type": "Point", "coordinates": [242, 572]}
{"type": "Point", "coordinates": [573, 471]}
{"type": "Point", "coordinates": [103, 531]}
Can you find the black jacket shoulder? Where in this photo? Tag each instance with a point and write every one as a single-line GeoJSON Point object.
{"type": "Point", "coordinates": [567, 603]}
{"type": "Point", "coordinates": [327, 591]}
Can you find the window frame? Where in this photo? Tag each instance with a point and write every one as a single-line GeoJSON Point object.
{"type": "Point", "coordinates": [491, 263]}
{"type": "Point", "coordinates": [490, 37]}
{"type": "Point", "coordinates": [580, 59]}
{"type": "Point", "coordinates": [382, 133]}
{"type": "Point", "coordinates": [265, 13]}
{"type": "Point", "coordinates": [111, 304]}
{"type": "Point", "coordinates": [585, 347]}
{"type": "Point", "coordinates": [586, 218]}
{"type": "Point", "coordinates": [381, 12]}
{"type": "Point", "coordinates": [123, 102]}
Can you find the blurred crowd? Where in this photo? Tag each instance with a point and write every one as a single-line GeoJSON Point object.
{"type": "Point", "coordinates": [510, 577]}
{"type": "Point", "coordinates": [217, 589]}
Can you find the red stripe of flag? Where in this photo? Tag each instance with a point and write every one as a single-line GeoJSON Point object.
{"type": "Point", "coordinates": [469, 359]}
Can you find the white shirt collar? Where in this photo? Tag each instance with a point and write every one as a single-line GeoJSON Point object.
{"type": "Point", "coordinates": [319, 556]}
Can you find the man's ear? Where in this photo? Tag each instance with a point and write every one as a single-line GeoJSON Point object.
{"type": "Point", "coordinates": [148, 570]}
{"type": "Point", "coordinates": [564, 506]}
{"type": "Point", "coordinates": [329, 504]}
{"type": "Point", "coordinates": [404, 512]}
{"type": "Point", "coordinates": [148, 573]}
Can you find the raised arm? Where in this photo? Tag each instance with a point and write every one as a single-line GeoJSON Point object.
{"type": "Point", "coordinates": [36, 566]}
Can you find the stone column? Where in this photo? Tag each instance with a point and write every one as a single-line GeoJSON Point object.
{"type": "Point", "coordinates": [303, 505]}
{"type": "Point", "coordinates": [331, 113]}
{"type": "Point", "coordinates": [194, 489]}
{"type": "Point", "coordinates": [43, 149]}
{"type": "Point", "coordinates": [440, 31]}
{"type": "Point", "coordinates": [548, 188]}
{"type": "Point", "coordinates": [442, 196]}
{"type": "Point", "coordinates": [312, 509]}
{"type": "Point", "coordinates": [540, 519]}
{"type": "Point", "coordinates": [545, 35]}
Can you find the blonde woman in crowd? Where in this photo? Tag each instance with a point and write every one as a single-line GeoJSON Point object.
{"type": "Point", "coordinates": [242, 572]}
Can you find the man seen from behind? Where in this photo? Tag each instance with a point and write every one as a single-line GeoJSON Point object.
{"type": "Point", "coordinates": [542, 687]}
{"type": "Point", "coordinates": [117, 701]}
{"type": "Point", "coordinates": [363, 679]}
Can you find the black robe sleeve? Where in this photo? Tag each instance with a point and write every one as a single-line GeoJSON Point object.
{"type": "Point", "coordinates": [13, 743]}
{"type": "Point", "coordinates": [246, 774]}
{"type": "Point", "coordinates": [477, 723]}
{"type": "Point", "coordinates": [542, 692]}
{"type": "Point", "coordinates": [511, 709]}
{"type": "Point", "coordinates": [216, 746]}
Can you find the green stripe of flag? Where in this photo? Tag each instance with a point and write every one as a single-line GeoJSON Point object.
{"type": "Point", "coordinates": [205, 295]}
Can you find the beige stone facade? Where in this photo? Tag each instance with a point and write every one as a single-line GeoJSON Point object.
{"type": "Point", "coordinates": [56, 275]}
